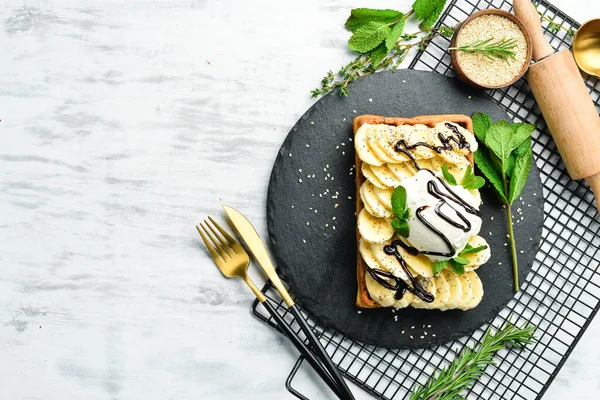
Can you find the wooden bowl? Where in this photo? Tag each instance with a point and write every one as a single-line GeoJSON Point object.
{"type": "Point", "coordinates": [453, 56]}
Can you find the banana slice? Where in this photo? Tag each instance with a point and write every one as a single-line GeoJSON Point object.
{"type": "Point", "coordinates": [418, 264]}
{"type": "Point", "coordinates": [419, 134]}
{"type": "Point", "coordinates": [476, 196]}
{"type": "Point", "coordinates": [479, 258]}
{"type": "Point", "coordinates": [378, 136]}
{"type": "Point", "coordinates": [467, 292]}
{"type": "Point", "coordinates": [427, 163]}
{"type": "Point", "coordinates": [388, 262]}
{"type": "Point", "coordinates": [455, 287]}
{"type": "Point", "coordinates": [452, 155]}
{"type": "Point", "coordinates": [368, 173]}
{"type": "Point", "coordinates": [477, 290]}
{"type": "Point", "coordinates": [363, 150]}
{"type": "Point", "coordinates": [373, 229]}
{"type": "Point", "coordinates": [365, 251]}
{"type": "Point", "coordinates": [405, 301]}
{"type": "Point", "coordinates": [384, 196]}
{"type": "Point", "coordinates": [429, 286]}
{"type": "Point", "coordinates": [385, 175]}
{"type": "Point", "coordinates": [442, 292]}
{"type": "Point", "coordinates": [387, 143]}
{"type": "Point", "coordinates": [378, 292]}
{"type": "Point", "coordinates": [372, 203]}
{"type": "Point", "coordinates": [402, 170]}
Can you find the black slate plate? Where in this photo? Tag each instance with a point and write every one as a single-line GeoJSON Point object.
{"type": "Point", "coordinates": [311, 220]}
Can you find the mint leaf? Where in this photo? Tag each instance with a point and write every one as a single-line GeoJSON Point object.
{"type": "Point", "coordinates": [485, 165]}
{"type": "Point", "coordinates": [361, 16]}
{"type": "Point", "coordinates": [460, 260]}
{"type": "Point", "coordinates": [399, 201]}
{"type": "Point", "coordinates": [522, 148]}
{"type": "Point", "coordinates": [378, 54]}
{"type": "Point", "coordinates": [438, 266]}
{"type": "Point", "coordinates": [499, 140]}
{"type": "Point", "coordinates": [510, 164]}
{"type": "Point", "coordinates": [520, 175]}
{"type": "Point", "coordinates": [368, 36]}
{"type": "Point", "coordinates": [406, 213]}
{"type": "Point", "coordinates": [458, 268]}
{"type": "Point", "coordinates": [471, 250]}
{"type": "Point", "coordinates": [481, 124]}
{"type": "Point", "coordinates": [424, 8]}
{"type": "Point", "coordinates": [400, 226]}
{"type": "Point", "coordinates": [395, 34]}
{"type": "Point", "coordinates": [430, 20]}
{"type": "Point", "coordinates": [448, 176]}
{"type": "Point", "coordinates": [521, 132]}
{"type": "Point", "coordinates": [477, 183]}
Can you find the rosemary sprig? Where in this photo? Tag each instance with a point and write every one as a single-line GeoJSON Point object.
{"type": "Point", "coordinates": [490, 49]}
{"type": "Point", "coordinates": [363, 64]}
{"type": "Point", "coordinates": [470, 363]}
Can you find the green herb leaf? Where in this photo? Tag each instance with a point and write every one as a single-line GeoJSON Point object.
{"type": "Point", "coordinates": [485, 165]}
{"type": "Point", "coordinates": [406, 213]}
{"type": "Point", "coordinates": [399, 201]}
{"type": "Point", "coordinates": [481, 124]}
{"type": "Point", "coordinates": [470, 181]}
{"type": "Point", "coordinates": [471, 250]}
{"type": "Point", "coordinates": [457, 267]}
{"type": "Point", "coordinates": [361, 16]}
{"type": "Point", "coordinates": [522, 148]}
{"type": "Point", "coordinates": [401, 227]}
{"type": "Point", "coordinates": [520, 175]}
{"type": "Point", "coordinates": [460, 260]}
{"type": "Point", "coordinates": [368, 36]}
{"type": "Point", "coordinates": [395, 34]}
{"type": "Point", "coordinates": [378, 54]}
{"type": "Point", "coordinates": [521, 132]}
{"type": "Point", "coordinates": [430, 20]}
{"type": "Point", "coordinates": [448, 176]}
{"type": "Point", "coordinates": [425, 8]}
{"type": "Point", "coordinates": [438, 266]}
{"type": "Point", "coordinates": [510, 163]}
{"type": "Point", "coordinates": [499, 140]}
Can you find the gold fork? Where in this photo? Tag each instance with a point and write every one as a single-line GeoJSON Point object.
{"type": "Point", "coordinates": [232, 260]}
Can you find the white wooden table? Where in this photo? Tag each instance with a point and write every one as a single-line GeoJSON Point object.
{"type": "Point", "coordinates": [124, 122]}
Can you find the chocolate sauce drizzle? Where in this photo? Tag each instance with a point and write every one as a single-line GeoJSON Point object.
{"type": "Point", "coordinates": [446, 197]}
{"type": "Point", "coordinates": [392, 282]}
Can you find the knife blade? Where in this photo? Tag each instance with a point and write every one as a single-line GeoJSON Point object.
{"type": "Point", "coordinates": [256, 246]}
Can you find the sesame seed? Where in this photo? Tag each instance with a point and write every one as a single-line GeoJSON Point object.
{"type": "Point", "coordinates": [290, 154]}
{"type": "Point", "coordinates": [300, 180]}
{"type": "Point", "coordinates": [412, 338]}
{"type": "Point", "coordinates": [412, 327]}
{"type": "Point", "coordinates": [433, 335]}
{"type": "Point", "coordinates": [300, 170]}
{"type": "Point", "coordinates": [307, 145]}
{"type": "Point", "coordinates": [344, 119]}
{"type": "Point", "coordinates": [307, 223]}
{"type": "Point", "coordinates": [337, 147]}
{"type": "Point", "coordinates": [359, 312]}
{"type": "Point", "coordinates": [312, 123]}
{"type": "Point", "coordinates": [521, 251]}
{"type": "Point", "coordinates": [499, 263]}
{"type": "Point", "coordinates": [326, 225]}
{"type": "Point", "coordinates": [349, 197]}
{"type": "Point", "coordinates": [371, 100]}
{"type": "Point", "coordinates": [333, 218]}
{"type": "Point", "coordinates": [336, 205]}
{"type": "Point", "coordinates": [490, 233]}
{"type": "Point", "coordinates": [403, 332]}
{"type": "Point", "coordinates": [333, 227]}
{"type": "Point", "coordinates": [421, 337]}
{"type": "Point", "coordinates": [292, 206]}
{"type": "Point", "coordinates": [491, 219]}
{"type": "Point", "coordinates": [469, 97]}
{"type": "Point", "coordinates": [535, 194]}
{"type": "Point", "coordinates": [354, 111]}
{"type": "Point", "coordinates": [304, 240]}
{"type": "Point", "coordinates": [403, 81]}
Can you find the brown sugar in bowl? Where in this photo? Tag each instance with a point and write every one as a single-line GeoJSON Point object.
{"type": "Point", "coordinates": [467, 72]}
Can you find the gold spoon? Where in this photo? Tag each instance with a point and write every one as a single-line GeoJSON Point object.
{"type": "Point", "coordinates": [586, 47]}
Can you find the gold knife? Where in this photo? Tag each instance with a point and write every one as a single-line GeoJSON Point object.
{"type": "Point", "coordinates": [256, 246]}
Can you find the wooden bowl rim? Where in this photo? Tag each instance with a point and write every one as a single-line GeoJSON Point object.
{"type": "Point", "coordinates": [502, 13]}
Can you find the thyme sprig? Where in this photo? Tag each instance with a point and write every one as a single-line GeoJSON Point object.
{"type": "Point", "coordinates": [503, 49]}
{"type": "Point", "coordinates": [470, 364]}
{"type": "Point", "coordinates": [363, 64]}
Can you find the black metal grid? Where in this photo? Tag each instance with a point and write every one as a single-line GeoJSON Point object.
{"type": "Point", "coordinates": [561, 294]}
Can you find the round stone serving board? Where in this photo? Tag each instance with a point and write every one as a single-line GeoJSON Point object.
{"type": "Point", "coordinates": [311, 220]}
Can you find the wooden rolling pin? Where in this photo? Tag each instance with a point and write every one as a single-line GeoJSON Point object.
{"type": "Point", "coordinates": [565, 102]}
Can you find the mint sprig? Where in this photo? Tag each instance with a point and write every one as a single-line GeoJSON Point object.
{"type": "Point", "coordinates": [470, 181]}
{"type": "Point", "coordinates": [400, 211]}
{"type": "Point", "coordinates": [457, 263]}
{"type": "Point", "coordinates": [505, 160]}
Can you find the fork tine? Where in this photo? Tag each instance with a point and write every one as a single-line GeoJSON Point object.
{"type": "Point", "coordinates": [227, 236]}
{"type": "Point", "coordinates": [227, 247]}
{"type": "Point", "coordinates": [210, 248]}
{"type": "Point", "coordinates": [220, 250]}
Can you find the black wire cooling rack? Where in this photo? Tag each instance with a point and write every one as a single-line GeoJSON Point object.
{"type": "Point", "coordinates": [562, 292]}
